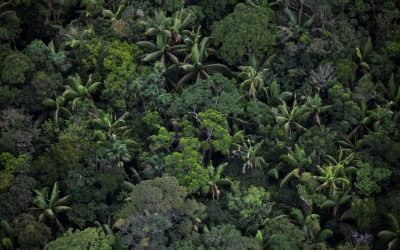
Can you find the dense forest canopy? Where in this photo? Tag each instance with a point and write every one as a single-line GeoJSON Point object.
{"type": "Point", "coordinates": [199, 124]}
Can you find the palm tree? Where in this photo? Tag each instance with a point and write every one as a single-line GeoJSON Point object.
{"type": "Point", "coordinates": [215, 180]}
{"type": "Point", "coordinates": [290, 117]}
{"type": "Point", "coordinates": [250, 154]}
{"type": "Point", "coordinates": [274, 94]}
{"type": "Point", "coordinates": [159, 27]}
{"type": "Point", "coordinates": [332, 177]}
{"type": "Point", "coordinates": [194, 63]}
{"type": "Point", "coordinates": [253, 80]}
{"type": "Point", "coordinates": [161, 50]}
{"type": "Point", "coordinates": [322, 76]}
{"type": "Point", "coordinates": [311, 226]}
{"type": "Point", "coordinates": [363, 54]}
{"type": "Point", "coordinates": [393, 90]}
{"type": "Point", "coordinates": [298, 160]}
{"type": "Point", "coordinates": [76, 35]}
{"type": "Point", "coordinates": [109, 125]}
{"type": "Point", "coordinates": [336, 200]}
{"type": "Point", "coordinates": [361, 123]}
{"type": "Point", "coordinates": [78, 92]}
{"type": "Point", "coordinates": [181, 21]}
{"type": "Point", "coordinates": [296, 28]}
{"type": "Point", "coordinates": [392, 236]}
{"type": "Point", "coordinates": [57, 104]}
{"type": "Point", "coordinates": [50, 206]}
{"type": "Point", "coordinates": [111, 15]}
{"type": "Point", "coordinates": [315, 108]}
{"type": "Point", "coordinates": [119, 151]}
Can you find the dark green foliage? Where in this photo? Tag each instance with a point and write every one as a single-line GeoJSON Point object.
{"type": "Point", "coordinates": [146, 231]}
{"type": "Point", "coordinates": [16, 69]}
{"type": "Point", "coordinates": [29, 233]}
{"type": "Point", "coordinates": [217, 92]}
{"type": "Point", "coordinates": [17, 131]}
{"type": "Point", "coordinates": [65, 155]}
{"type": "Point", "coordinates": [18, 197]}
{"type": "Point", "coordinates": [247, 28]}
{"type": "Point", "coordinates": [9, 22]}
{"type": "Point", "coordinates": [90, 191]}
{"type": "Point", "coordinates": [149, 90]}
{"type": "Point", "coordinates": [364, 212]}
{"type": "Point", "coordinates": [282, 234]}
{"type": "Point", "coordinates": [228, 237]}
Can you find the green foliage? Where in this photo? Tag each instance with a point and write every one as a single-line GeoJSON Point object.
{"type": "Point", "coordinates": [253, 80]}
{"type": "Point", "coordinates": [91, 54]}
{"type": "Point", "coordinates": [91, 187]}
{"type": "Point", "coordinates": [143, 232]}
{"type": "Point", "coordinates": [9, 22]}
{"type": "Point", "coordinates": [216, 126]}
{"type": "Point", "coordinates": [345, 70]}
{"type": "Point", "coordinates": [247, 28]}
{"type": "Point", "coordinates": [91, 238]}
{"type": "Point", "coordinates": [369, 178]}
{"type": "Point", "coordinates": [6, 237]}
{"type": "Point", "coordinates": [44, 85]}
{"type": "Point", "coordinates": [187, 165]}
{"type": "Point", "coordinates": [29, 233]}
{"type": "Point", "coordinates": [226, 236]}
{"type": "Point", "coordinates": [161, 195]}
{"type": "Point", "coordinates": [195, 64]}
{"type": "Point", "coordinates": [157, 212]}
{"type": "Point", "coordinates": [38, 52]}
{"type": "Point", "coordinates": [281, 234]}
{"type": "Point", "coordinates": [18, 197]}
{"type": "Point", "coordinates": [363, 211]}
{"type": "Point", "coordinates": [8, 95]}
{"type": "Point", "coordinates": [251, 205]}
{"type": "Point", "coordinates": [186, 162]}
{"type": "Point", "coordinates": [64, 156]}
{"type": "Point", "coordinates": [171, 5]}
{"type": "Point", "coordinates": [10, 164]}
{"type": "Point", "coordinates": [120, 62]}
{"type": "Point", "coordinates": [17, 68]}
{"type": "Point", "coordinates": [149, 90]}
{"type": "Point", "coordinates": [217, 93]}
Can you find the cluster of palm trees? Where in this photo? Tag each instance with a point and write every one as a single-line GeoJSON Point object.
{"type": "Point", "coordinates": [179, 48]}
{"type": "Point", "coordinates": [292, 118]}
{"type": "Point", "coordinates": [76, 92]}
